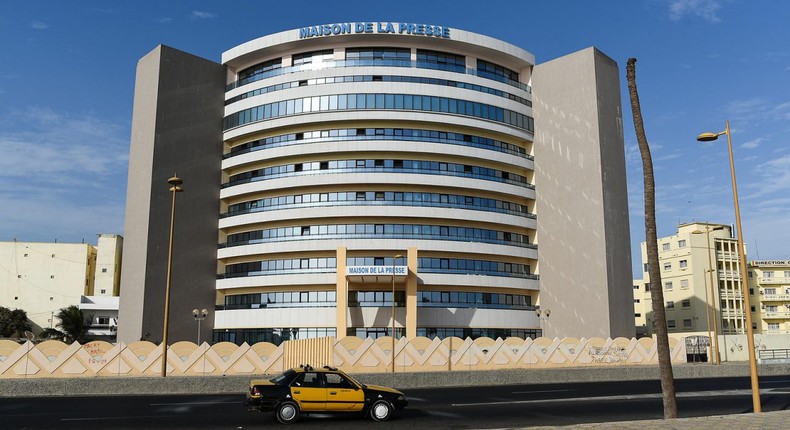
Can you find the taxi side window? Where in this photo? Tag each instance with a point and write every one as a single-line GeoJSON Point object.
{"type": "Point", "coordinates": [310, 380]}
{"type": "Point", "coordinates": [334, 380]}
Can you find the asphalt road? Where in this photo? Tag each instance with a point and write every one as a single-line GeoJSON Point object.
{"type": "Point", "coordinates": [447, 408]}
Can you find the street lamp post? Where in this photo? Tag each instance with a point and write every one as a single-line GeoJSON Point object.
{"type": "Point", "coordinates": [546, 313]}
{"type": "Point", "coordinates": [199, 315]}
{"type": "Point", "coordinates": [715, 359]}
{"type": "Point", "coordinates": [175, 187]}
{"type": "Point", "coordinates": [707, 137]}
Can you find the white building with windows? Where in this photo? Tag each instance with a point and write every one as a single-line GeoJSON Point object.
{"type": "Point", "coordinates": [769, 283]}
{"type": "Point", "coordinates": [701, 281]}
{"type": "Point", "coordinates": [42, 277]}
{"type": "Point", "coordinates": [342, 180]}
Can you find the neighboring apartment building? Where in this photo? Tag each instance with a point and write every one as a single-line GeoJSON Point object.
{"type": "Point", "coordinates": [686, 260]}
{"type": "Point", "coordinates": [354, 171]}
{"type": "Point", "coordinates": [770, 280]}
{"type": "Point", "coordinates": [41, 278]}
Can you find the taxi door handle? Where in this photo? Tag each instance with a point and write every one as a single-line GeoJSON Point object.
{"type": "Point", "coordinates": [333, 392]}
{"type": "Point", "coordinates": [297, 392]}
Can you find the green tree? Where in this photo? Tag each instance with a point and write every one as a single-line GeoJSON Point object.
{"type": "Point", "coordinates": [73, 324]}
{"type": "Point", "coordinates": [51, 333]}
{"type": "Point", "coordinates": [653, 269]}
{"type": "Point", "coordinates": [13, 322]}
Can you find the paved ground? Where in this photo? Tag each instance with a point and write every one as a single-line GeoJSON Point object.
{"type": "Point", "coordinates": [764, 421]}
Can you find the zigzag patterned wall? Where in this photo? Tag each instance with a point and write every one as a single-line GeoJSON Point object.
{"type": "Point", "coordinates": [352, 354]}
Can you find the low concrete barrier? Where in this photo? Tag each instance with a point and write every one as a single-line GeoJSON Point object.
{"type": "Point", "coordinates": [54, 359]}
{"type": "Point", "coordinates": [236, 384]}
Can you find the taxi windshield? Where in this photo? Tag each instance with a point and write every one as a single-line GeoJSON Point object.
{"type": "Point", "coordinates": [282, 377]}
{"type": "Point", "coordinates": [354, 381]}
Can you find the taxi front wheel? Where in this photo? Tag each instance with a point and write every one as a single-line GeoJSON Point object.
{"type": "Point", "coordinates": [380, 411]}
{"type": "Point", "coordinates": [287, 412]}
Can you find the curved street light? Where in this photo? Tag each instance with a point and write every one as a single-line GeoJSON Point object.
{"type": "Point", "coordinates": [708, 137]}
{"type": "Point", "coordinates": [175, 187]}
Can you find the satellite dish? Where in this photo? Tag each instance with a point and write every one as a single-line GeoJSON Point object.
{"type": "Point", "coordinates": [29, 335]}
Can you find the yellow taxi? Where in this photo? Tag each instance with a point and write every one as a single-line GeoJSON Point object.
{"type": "Point", "coordinates": [305, 390]}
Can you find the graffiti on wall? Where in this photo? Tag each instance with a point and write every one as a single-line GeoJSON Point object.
{"type": "Point", "coordinates": [352, 354]}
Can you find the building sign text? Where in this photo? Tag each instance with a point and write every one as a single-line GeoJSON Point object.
{"type": "Point", "coordinates": [374, 27]}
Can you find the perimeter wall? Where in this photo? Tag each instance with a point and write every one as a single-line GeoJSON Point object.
{"type": "Point", "coordinates": [351, 354]}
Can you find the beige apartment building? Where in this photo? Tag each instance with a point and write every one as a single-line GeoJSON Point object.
{"type": "Point", "coordinates": [698, 256]}
{"type": "Point", "coordinates": [41, 278]}
{"type": "Point", "coordinates": [770, 280]}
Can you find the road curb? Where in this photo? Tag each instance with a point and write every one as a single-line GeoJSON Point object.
{"type": "Point", "coordinates": [97, 386]}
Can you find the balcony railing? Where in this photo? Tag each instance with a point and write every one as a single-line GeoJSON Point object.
{"type": "Point", "coordinates": [775, 280]}
{"type": "Point", "coordinates": [775, 297]}
{"type": "Point", "coordinates": [729, 274]}
{"type": "Point", "coordinates": [732, 314]}
{"type": "Point", "coordinates": [773, 315]}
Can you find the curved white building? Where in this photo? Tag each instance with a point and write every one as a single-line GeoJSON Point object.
{"type": "Point", "coordinates": [354, 161]}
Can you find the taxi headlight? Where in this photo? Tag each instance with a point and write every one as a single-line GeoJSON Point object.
{"type": "Point", "coordinates": [401, 398]}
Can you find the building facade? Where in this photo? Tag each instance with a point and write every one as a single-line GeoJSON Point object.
{"type": "Point", "coordinates": [42, 278]}
{"type": "Point", "coordinates": [366, 177]}
{"type": "Point", "coordinates": [699, 256]}
{"type": "Point", "coordinates": [769, 283]}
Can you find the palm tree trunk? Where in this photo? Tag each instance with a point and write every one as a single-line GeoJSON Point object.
{"type": "Point", "coordinates": [653, 269]}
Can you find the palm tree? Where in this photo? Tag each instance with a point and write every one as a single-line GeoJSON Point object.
{"type": "Point", "coordinates": [653, 269]}
{"type": "Point", "coordinates": [13, 322]}
{"type": "Point", "coordinates": [73, 324]}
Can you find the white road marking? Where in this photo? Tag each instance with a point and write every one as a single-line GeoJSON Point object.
{"type": "Point", "coordinates": [620, 397]}
{"type": "Point", "coordinates": [114, 418]}
{"type": "Point", "coordinates": [543, 391]}
{"type": "Point", "coordinates": [193, 403]}
{"type": "Point", "coordinates": [783, 381]}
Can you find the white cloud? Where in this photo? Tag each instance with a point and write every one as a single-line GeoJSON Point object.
{"type": "Point", "coordinates": [39, 25]}
{"type": "Point", "coordinates": [196, 14]}
{"type": "Point", "coordinates": [165, 20]}
{"type": "Point", "coordinates": [782, 110]}
{"type": "Point", "coordinates": [775, 175]}
{"type": "Point", "coordinates": [758, 109]}
{"type": "Point", "coordinates": [754, 143]}
{"type": "Point", "coordinates": [63, 175]}
{"type": "Point", "coordinates": [705, 9]}
{"type": "Point", "coordinates": [668, 157]}
{"type": "Point", "coordinates": [53, 144]}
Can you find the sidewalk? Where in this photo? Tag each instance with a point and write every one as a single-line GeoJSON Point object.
{"type": "Point", "coordinates": [764, 421]}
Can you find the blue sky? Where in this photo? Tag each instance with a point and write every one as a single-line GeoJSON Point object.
{"type": "Point", "coordinates": [67, 83]}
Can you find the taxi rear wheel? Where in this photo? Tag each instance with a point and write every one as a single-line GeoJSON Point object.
{"type": "Point", "coordinates": [380, 411]}
{"type": "Point", "coordinates": [287, 412]}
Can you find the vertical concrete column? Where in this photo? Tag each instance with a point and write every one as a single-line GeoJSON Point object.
{"type": "Point", "coordinates": [411, 295]}
{"type": "Point", "coordinates": [341, 292]}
